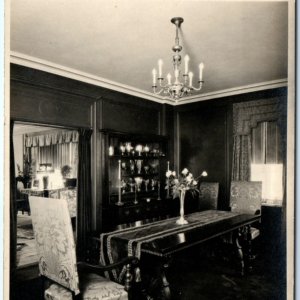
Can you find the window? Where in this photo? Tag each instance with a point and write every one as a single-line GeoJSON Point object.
{"type": "Point", "coordinates": [266, 161]}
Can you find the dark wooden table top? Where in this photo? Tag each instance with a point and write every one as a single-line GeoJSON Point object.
{"type": "Point", "coordinates": [165, 237]}
{"type": "Point", "coordinates": [176, 242]}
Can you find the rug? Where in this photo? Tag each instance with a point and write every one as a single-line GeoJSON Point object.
{"type": "Point", "coordinates": [25, 232]}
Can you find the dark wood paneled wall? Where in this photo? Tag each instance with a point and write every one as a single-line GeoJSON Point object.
{"type": "Point", "coordinates": [43, 98]}
{"type": "Point", "coordinates": [204, 139]}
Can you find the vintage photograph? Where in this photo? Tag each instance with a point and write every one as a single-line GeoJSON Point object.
{"type": "Point", "coordinates": [150, 150]}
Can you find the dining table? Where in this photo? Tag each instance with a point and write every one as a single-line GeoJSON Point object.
{"type": "Point", "coordinates": [160, 240]}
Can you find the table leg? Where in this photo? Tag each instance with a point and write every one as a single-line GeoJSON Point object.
{"type": "Point", "coordinates": [248, 248]}
{"type": "Point", "coordinates": [155, 284]}
{"type": "Point", "coordinates": [238, 239]}
{"type": "Point", "coordinates": [166, 292]}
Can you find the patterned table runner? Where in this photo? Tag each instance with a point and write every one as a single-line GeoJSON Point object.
{"type": "Point", "coordinates": [128, 242]}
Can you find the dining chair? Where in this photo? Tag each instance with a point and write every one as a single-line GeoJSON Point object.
{"type": "Point", "coordinates": [69, 194]}
{"type": "Point", "coordinates": [208, 197]}
{"type": "Point", "coordinates": [245, 197]}
{"type": "Point", "coordinates": [22, 203]}
{"type": "Point", "coordinates": [69, 279]}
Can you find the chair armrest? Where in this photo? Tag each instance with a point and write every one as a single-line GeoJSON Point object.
{"type": "Point", "coordinates": [83, 266]}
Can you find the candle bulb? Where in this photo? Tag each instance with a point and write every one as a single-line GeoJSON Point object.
{"type": "Point", "coordinates": [160, 63]}
{"type": "Point", "coordinates": [186, 64]}
{"type": "Point", "coordinates": [201, 67]}
{"type": "Point", "coordinates": [169, 78]}
{"type": "Point", "coordinates": [191, 78]}
{"type": "Point", "coordinates": [154, 77]}
{"type": "Point", "coordinates": [119, 174]}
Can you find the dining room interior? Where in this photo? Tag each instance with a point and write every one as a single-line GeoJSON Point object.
{"type": "Point", "coordinates": [151, 144]}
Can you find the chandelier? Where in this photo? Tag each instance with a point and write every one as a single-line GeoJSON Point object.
{"type": "Point", "coordinates": [177, 89]}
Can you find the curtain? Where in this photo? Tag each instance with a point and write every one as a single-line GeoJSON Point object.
{"type": "Point", "coordinates": [51, 138]}
{"type": "Point", "coordinates": [241, 158]}
{"type": "Point", "coordinates": [266, 144]}
{"type": "Point", "coordinates": [248, 115]}
{"type": "Point", "coordinates": [13, 211]}
{"type": "Point", "coordinates": [84, 195]}
{"type": "Point", "coordinates": [55, 147]}
{"type": "Point", "coordinates": [57, 155]}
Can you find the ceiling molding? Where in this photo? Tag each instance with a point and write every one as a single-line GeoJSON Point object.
{"type": "Point", "coordinates": [43, 65]}
{"type": "Point", "coordinates": [46, 66]}
{"type": "Point", "coordinates": [235, 91]}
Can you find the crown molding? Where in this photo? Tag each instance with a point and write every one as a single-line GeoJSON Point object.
{"type": "Point", "coordinates": [235, 91]}
{"type": "Point", "coordinates": [46, 66]}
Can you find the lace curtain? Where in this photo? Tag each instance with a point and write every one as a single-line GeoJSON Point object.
{"type": "Point", "coordinates": [248, 115]}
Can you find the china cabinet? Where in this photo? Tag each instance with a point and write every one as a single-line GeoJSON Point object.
{"type": "Point", "coordinates": [134, 170]}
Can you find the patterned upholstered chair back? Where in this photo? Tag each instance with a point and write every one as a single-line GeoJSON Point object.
{"type": "Point", "coordinates": [68, 194]}
{"type": "Point", "coordinates": [209, 193]}
{"type": "Point", "coordinates": [71, 196]}
{"type": "Point", "coordinates": [245, 196]}
{"type": "Point", "coordinates": [55, 241]}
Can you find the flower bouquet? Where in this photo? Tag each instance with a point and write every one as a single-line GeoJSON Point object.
{"type": "Point", "coordinates": [178, 185]}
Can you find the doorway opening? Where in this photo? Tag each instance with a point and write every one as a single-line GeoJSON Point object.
{"type": "Point", "coordinates": [46, 161]}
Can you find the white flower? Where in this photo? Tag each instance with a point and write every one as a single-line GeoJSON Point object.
{"type": "Point", "coordinates": [194, 182]}
{"type": "Point", "coordinates": [176, 181]}
{"type": "Point", "coordinates": [204, 174]}
{"type": "Point", "coordinates": [189, 178]}
{"type": "Point", "coordinates": [174, 173]}
{"type": "Point", "coordinates": [185, 171]}
{"type": "Point", "coordinates": [168, 173]}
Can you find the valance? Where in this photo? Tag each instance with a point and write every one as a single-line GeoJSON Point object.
{"type": "Point", "coordinates": [247, 115]}
{"type": "Point", "coordinates": [53, 138]}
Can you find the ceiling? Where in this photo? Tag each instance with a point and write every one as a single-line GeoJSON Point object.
{"type": "Point", "coordinates": [116, 44]}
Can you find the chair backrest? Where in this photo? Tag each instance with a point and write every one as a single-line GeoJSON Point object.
{"type": "Point", "coordinates": [68, 194]}
{"type": "Point", "coordinates": [209, 193]}
{"type": "Point", "coordinates": [71, 196]}
{"type": "Point", "coordinates": [245, 196]}
{"type": "Point", "coordinates": [55, 241]}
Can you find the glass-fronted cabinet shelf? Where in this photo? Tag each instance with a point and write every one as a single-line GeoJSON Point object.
{"type": "Point", "coordinates": [136, 166]}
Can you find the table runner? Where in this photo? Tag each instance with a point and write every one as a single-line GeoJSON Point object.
{"type": "Point", "coordinates": [128, 242]}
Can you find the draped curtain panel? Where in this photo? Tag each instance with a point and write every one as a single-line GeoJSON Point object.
{"type": "Point", "coordinates": [58, 155]}
{"type": "Point", "coordinates": [248, 115]}
{"type": "Point", "coordinates": [84, 202]}
{"type": "Point", "coordinates": [266, 144]}
{"type": "Point", "coordinates": [58, 148]}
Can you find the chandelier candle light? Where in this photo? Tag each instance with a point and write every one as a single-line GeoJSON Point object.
{"type": "Point", "coordinates": [177, 89]}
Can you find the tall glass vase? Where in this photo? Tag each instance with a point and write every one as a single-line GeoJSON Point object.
{"type": "Point", "coordinates": [182, 220]}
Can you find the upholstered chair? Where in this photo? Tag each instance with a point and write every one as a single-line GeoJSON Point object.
{"type": "Point", "coordinates": [57, 257]}
{"type": "Point", "coordinates": [245, 197]}
{"type": "Point", "coordinates": [68, 194]}
{"type": "Point", "coordinates": [209, 193]}
{"type": "Point", "coordinates": [71, 196]}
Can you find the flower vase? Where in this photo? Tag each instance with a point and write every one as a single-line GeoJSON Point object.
{"type": "Point", "coordinates": [182, 220]}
